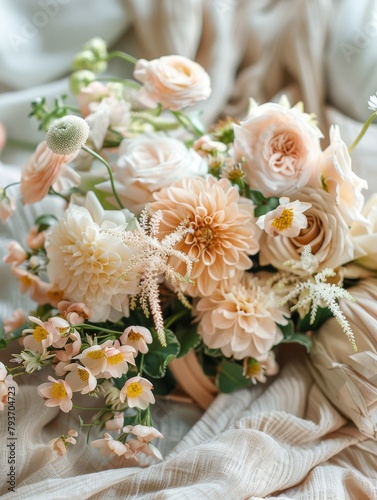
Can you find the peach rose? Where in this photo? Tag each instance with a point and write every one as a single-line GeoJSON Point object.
{"type": "Point", "coordinates": [326, 233]}
{"type": "Point", "coordinates": [173, 81]}
{"type": "Point", "coordinates": [150, 162]}
{"type": "Point", "coordinates": [280, 147]}
{"type": "Point", "coordinates": [40, 172]}
{"type": "Point", "coordinates": [339, 180]}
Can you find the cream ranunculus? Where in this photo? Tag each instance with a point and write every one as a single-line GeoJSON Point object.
{"type": "Point", "coordinates": [340, 181]}
{"type": "Point", "coordinates": [326, 233]}
{"type": "Point", "coordinates": [88, 263]}
{"type": "Point", "coordinates": [173, 81]}
{"type": "Point", "coordinates": [240, 318]}
{"type": "Point", "coordinates": [280, 147]}
{"type": "Point", "coordinates": [365, 237]}
{"type": "Point", "coordinates": [150, 162]}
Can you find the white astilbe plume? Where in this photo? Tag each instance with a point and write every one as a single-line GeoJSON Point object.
{"type": "Point", "coordinates": [322, 294]}
{"type": "Point", "coordinates": [152, 261]}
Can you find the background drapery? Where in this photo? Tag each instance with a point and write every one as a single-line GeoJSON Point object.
{"type": "Point", "coordinates": [290, 439]}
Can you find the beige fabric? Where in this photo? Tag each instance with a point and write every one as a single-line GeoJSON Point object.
{"type": "Point", "coordinates": [282, 441]}
{"type": "Point", "coordinates": [288, 442]}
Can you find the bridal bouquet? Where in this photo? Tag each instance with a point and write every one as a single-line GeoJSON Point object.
{"type": "Point", "coordinates": [226, 242]}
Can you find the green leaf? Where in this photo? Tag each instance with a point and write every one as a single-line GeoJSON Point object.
{"type": "Point", "coordinates": [323, 314]}
{"type": "Point", "coordinates": [163, 386]}
{"type": "Point", "coordinates": [230, 377]}
{"type": "Point", "coordinates": [158, 357]}
{"type": "Point", "coordinates": [290, 336]}
{"type": "Point", "coordinates": [3, 344]}
{"type": "Point", "coordinates": [262, 204]}
{"type": "Point", "coordinates": [43, 222]}
{"type": "Point", "coordinates": [196, 119]}
{"type": "Point", "coordinates": [188, 337]}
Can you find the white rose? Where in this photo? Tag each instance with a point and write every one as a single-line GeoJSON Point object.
{"type": "Point", "coordinates": [173, 81]}
{"type": "Point", "coordinates": [366, 237]}
{"type": "Point", "coordinates": [340, 181]}
{"type": "Point", "coordinates": [150, 162]}
{"type": "Point", "coordinates": [280, 147]}
{"type": "Point", "coordinates": [326, 232]}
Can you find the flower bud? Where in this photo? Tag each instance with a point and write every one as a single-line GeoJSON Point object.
{"type": "Point", "coordinates": [81, 79]}
{"type": "Point", "coordinates": [67, 135]}
{"type": "Point", "coordinates": [86, 59]}
{"type": "Point", "coordinates": [98, 46]}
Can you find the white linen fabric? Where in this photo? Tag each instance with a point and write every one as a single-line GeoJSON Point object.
{"type": "Point", "coordinates": [290, 439]}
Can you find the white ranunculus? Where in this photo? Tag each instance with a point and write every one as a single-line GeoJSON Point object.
{"type": "Point", "coordinates": [88, 263]}
{"type": "Point", "coordinates": [173, 81]}
{"type": "Point", "coordinates": [150, 162]}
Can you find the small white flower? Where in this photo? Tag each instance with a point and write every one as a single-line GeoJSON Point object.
{"type": "Point", "coordinates": [287, 219]}
{"type": "Point", "coordinates": [372, 103]}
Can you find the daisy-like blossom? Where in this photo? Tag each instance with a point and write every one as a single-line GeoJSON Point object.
{"type": "Point", "coordinates": [327, 233]}
{"type": "Point", "coordinates": [142, 447]}
{"type": "Point", "coordinates": [43, 335]}
{"type": "Point", "coordinates": [372, 102]}
{"type": "Point", "coordinates": [33, 360]}
{"type": "Point", "coordinates": [340, 181]}
{"type": "Point", "coordinates": [111, 394]}
{"type": "Point", "coordinates": [116, 423]}
{"type": "Point", "coordinates": [39, 291]}
{"type": "Point", "coordinates": [107, 361]}
{"type": "Point", "coordinates": [241, 318]}
{"type": "Point", "coordinates": [137, 391]}
{"type": "Point", "coordinates": [7, 386]}
{"type": "Point", "coordinates": [80, 378]}
{"type": "Point", "coordinates": [16, 255]}
{"type": "Point", "coordinates": [35, 239]}
{"type": "Point", "coordinates": [223, 232]}
{"type": "Point", "coordinates": [89, 263]}
{"type": "Point", "coordinates": [7, 205]}
{"type": "Point", "coordinates": [287, 219]}
{"type": "Point", "coordinates": [108, 113]}
{"type": "Point", "coordinates": [144, 433]}
{"type": "Point", "coordinates": [60, 444]}
{"type": "Point", "coordinates": [17, 319]}
{"type": "Point", "coordinates": [71, 348]}
{"type": "Point", "coordinates": [110, 446]}
{"type": "Point", "coordinates": [256, 371]}
{"type": "Point", "coordinates": [138, 337]}
{"type": "Point", "coordinates": [56, 393]}
{"type": "Point", "coordinates": [75, 313]}
{"type": "Point", "coordinates": [40, 171]}
{"type": "Point", "coordinates": [172, 81]}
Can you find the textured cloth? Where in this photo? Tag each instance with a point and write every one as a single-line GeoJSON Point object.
{"type": "Point", "coordinates": [288, 440]}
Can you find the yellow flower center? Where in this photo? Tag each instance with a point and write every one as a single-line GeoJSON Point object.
{"type": "Point", "coordinates": [97, 354]}
{"type": "Point", "coordinates": [253, 369]}
{"type": "Point", "coordinates": [40, 333]}
{"type": "Point", "coordinates": [82, 374]}
{"type": "Point", "coordinates": [116, 359]}
{"type": "Point", "coordinates": [58, 391]}
{"type": "Point", "coordinates": [134, 336]}
{"type": "Point", "coordinates": [26, 280]}
{"type": "Point", "coordinates": [56, 295]}
{"type": "Point", "coordinates": [134, 390]}
{"type": "Point", "coordinates": [285, 220]}
{"type": "Point", "coordinates": [205, 236]}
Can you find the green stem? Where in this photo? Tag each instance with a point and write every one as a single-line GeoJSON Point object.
{"type": "Point", "coordinates": [186, 122]}
{"type": "Point", "coordinates": [102, 160]}
{"type": "Point", "coordinates": [362, 132]}
{"type": "Point", "coordinates": [121, 55]}
{"type": "Point", "coordinates": [10, 185]}
{"type": "Point", "coordinates": [175, 317]}
{"type": "Point", "coordinates": [99, 329]}
{"type": "Point", "coordinates": [124, 81]}
{"type": "Point", "coordinates": [55, 193]}
{"type": "Point", "coordinates": [93, 408]}
{"type": "Point", "coordinates": [141, 365]}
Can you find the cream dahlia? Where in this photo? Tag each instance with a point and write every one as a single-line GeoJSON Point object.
{"type": "Point", "coordinates": [241, 319]}
{"type": "Point", "coordinates": [88, 263]}
{"type": "Point", "coordinates": [223, 234]}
